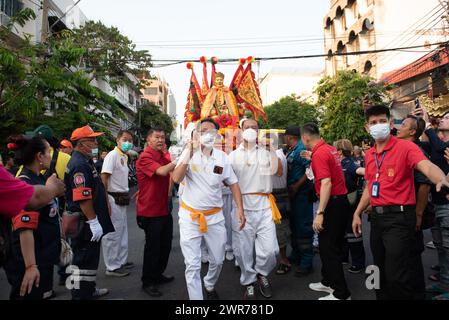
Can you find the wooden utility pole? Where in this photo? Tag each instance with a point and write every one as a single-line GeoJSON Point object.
{"type": "Point", "coordinates": [45, 26]}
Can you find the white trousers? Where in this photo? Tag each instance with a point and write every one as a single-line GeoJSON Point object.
{"type": "Point", "coordinates": [259, 235]}
{"type": "Point", "coordinates": [228, 211]}
{"type": "Point", "coordinates": [115, 244]}
{"type": "Point", "coordinates": [190, 241]}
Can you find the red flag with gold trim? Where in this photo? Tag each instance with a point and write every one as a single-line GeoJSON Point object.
{"type": "Point", "coordinates": [195, 99]}
{"type": "Point", "coordinates": [248, 92]}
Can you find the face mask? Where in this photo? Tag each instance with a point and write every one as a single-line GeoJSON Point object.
{"type": "Point", "coordinates": [207, 140]}
{"type": "Point", "coordinates": [380, 131]}
{"type": "Point", "coordinates": [250, 135]}
{"type": "Point", "coordinates": [126, 146]}
{"type": "Point", "coordinates": [94, 152]}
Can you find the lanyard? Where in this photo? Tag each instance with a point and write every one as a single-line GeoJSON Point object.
{"type": "Point", "coordinates": [378, 165]}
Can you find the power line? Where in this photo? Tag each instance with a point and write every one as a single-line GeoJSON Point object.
{"type": "Point", "coordinates": [353, 53]}
{"type": "Point", "coordinates": [60, 18]}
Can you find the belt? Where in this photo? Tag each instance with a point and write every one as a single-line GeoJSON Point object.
{"type": "Point", "coordinates": [274, 209]}
{"type": "Point", "coordinates": [341, 196]}
{"type": "Point", "coordinates": [392, 209]}
{"type": "Point", "coordinates": [118, 194]}
{"type": "Point", "coordinates": [200, 215]}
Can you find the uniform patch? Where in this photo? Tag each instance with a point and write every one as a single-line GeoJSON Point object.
{"type": "Point", "coordinates": [25, 218]}
{"type": "Point", "coordinates": [79, 180]}
{"type": "Point", "coordinates": [390, 172]}
{"type": "Point", "coordinates": [194, 168]}
{"type": "Point", "coordinates": [86, 193]}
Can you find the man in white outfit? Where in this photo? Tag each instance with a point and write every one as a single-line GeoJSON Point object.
{"type": "Point", "coordinates": [114, 175]}
{"type": "Point", "coordinates": [204, 170]}
{"type": "Point", "coordinates": [254, 167]}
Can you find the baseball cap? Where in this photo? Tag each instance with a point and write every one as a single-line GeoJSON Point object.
{"type": "Point", "coordinates": [43, 130]}
{"type": "Point", "coordinates": [84, 132]}
{"type": "Point", "coordinates": [66, 144]}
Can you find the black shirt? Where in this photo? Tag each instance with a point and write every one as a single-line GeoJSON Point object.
{"type": "Point", "coordinates": [83, 183]}
{"type": "Point", "coordinates": [47, 237]}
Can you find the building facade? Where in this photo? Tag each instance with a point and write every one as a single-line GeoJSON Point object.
{"type": "Point", "coordinates": [365, 25]}
{"type": "Point", "coordinates": [156, 91]}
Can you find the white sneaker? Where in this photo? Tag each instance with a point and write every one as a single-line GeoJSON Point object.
{"type": "Point", "coordinates": [318, 286]}
{"type": "Point", "coordinates": [229, 256]}
{"type": "Point", "coordinates": [331, 297]}
{"type": "Point", "coordinates": [430, 245]}
{"type": "Point", "coordinates": [100, 292]}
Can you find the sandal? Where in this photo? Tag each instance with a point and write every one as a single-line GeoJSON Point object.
{"type": "Point", "coordinates": [283, 268]}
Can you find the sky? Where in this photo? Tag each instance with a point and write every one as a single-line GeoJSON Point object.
{"type": "Point", "coordinates": [226, 29]}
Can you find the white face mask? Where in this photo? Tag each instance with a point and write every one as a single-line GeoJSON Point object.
{"type": "Point", "coordinates": [380, 131]}
{"type": "Point", "coordinates": [250, 135]}
{"type": "Point", "coordinates": [207, 140]}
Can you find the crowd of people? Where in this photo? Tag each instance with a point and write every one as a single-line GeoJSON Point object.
{"type": "Point", "coordinates": [269, 205]}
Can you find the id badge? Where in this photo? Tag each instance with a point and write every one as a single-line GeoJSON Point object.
{"type": "Point", "coordinates": [375, 189]}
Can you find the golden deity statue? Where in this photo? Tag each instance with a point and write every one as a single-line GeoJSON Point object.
{"type": "Point", "coordinates": [220, 100]}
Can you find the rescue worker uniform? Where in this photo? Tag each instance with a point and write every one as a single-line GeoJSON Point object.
{"type": "Point", "coordinates": [201, 217]}
{"type": "Point", "coordinates": [301, 218]}
{"type": "Point", "coordinates": [47, 243]}
{"type": "Point", "coordinates": [253, 171]}
{"type": "Point", "coordinates": [83, 183]}
{"type": "Point", "coordinates": [115, 244]}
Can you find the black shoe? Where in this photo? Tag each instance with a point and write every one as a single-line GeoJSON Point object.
{"type": "Point", "coordinates": [250, 293]}
{"type": "Point", "coordinates": [354, 269]}
{"type": "Point", "coordinates": [264, 286]}
{"type": "Point", "coordinates": [152, 290]}
{"type": "Point", "coordinates": [165, 279]}
{"type": "Point", "coordinates": [303, 272]}
{"type": "Point", "coordinates": [128, 265]}
{"type": "Point", "coordinates": [211, 295]}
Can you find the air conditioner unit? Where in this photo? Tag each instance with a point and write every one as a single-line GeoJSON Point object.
{"type": "Point", "coordinates": [4, 19]}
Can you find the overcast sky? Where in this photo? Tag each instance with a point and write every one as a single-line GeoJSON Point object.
{"type": "Point", "coordinates": [226, 29]}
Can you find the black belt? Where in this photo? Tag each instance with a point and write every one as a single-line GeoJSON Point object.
{"type": "Point", "coordinates": [393, 209]}
{"type": "Point", "coordinates": [341, 196]}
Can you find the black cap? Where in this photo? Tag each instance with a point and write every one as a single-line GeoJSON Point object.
{"type": "Point", "coordinates": [293, 131]}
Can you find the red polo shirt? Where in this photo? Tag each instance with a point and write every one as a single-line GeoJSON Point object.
{"type": "Point", "coordinates": [326, 164]}
{"type": "Point", "coordinates": [153, 189]}
{"type": "Point", "coordinates": [396, 177]}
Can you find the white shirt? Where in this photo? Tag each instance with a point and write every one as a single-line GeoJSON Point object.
{"type": "Point", "coordinates": [116, 164]}
{"type": "Point", "coordinates": [253, 169]}
{"type": "Point", "coordinates": [204, 183]}
{"type": "Point", "coordinates": [281, 182]}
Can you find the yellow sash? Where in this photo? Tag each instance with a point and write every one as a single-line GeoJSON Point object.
{"type": "Point", "coordinates": [274, 208]}
{"type": "Point", "coordinates": [200, 215]}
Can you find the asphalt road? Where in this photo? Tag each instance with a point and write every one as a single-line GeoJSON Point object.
{"type": "Point", "coordinates": [285, 287]}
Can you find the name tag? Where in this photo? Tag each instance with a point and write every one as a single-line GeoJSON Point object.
{"type": "Point", "coordinates": [218, 170]}
{"type": "Point", "coordinates": [375, 189]}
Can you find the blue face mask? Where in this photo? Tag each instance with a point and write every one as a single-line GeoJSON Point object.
{"type": "Point", "coordinates": [126, 146]}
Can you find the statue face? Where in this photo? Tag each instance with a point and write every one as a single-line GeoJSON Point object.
{"type": "Point", "coordinates": [219, 82]}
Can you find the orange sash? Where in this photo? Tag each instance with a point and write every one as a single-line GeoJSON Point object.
{"type": "Point", "coordinates": [274, 208]}
{"type": "Point", "coordinates": [200, 215]}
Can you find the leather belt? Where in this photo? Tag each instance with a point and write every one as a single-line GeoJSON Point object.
{"type": "Point", "coordinates": [392, 209]}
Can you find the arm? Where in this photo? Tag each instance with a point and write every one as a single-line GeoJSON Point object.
{"type": "Point", "coordinates": [105, 179]}
{"type": "Point", "coordinates": [237, 195]}
{"type": "Point", "coordinates": [32, 275]}
{"type": "Point", "coordinates": [433, 173]}
{"type": "Point", "coordinates": [360, 171]}
{"type": "Point", "coordinates": [87, 206]}
{"type": "Point", "coordinates": [363, 204]}
{"type": "Point", "coordinates": [325, 193]}
{"type": "Point", "coordinates": [435, 142]}
{"type": "Point", "coordinates": [183, 164]}
{"type": "Point", "coordinates": [44, 194]}
{"type": "Point", "coordinates": [421, 203]}
{"type": "Point", "coordinates": [165, 170]}
{"type": "Point", "coordinates": [293, 189]}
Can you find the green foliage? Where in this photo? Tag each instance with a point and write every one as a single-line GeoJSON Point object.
{"type": "Point", "coordinates": [44, 83]}
{"type": "Point", "coordinates": [288, 111]}
{"type": "Point", "coordinates": [341, 100]}
{"type": "Point", "coordinates": [151, 116]}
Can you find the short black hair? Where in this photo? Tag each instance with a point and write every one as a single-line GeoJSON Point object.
{"type": "Point", "coordinates": [419, 127]}
{"type": "Point", "coordinates": [210, 120]}
{"type": "Point", "coordinates": [122, 132]}
{"type": "Point", "coordinates": [377, 110]}
{"type": "Point", "coordinates": [27, 148]}
{"type": "Point", "coordinates": [155, 129]}
{"type": "Point", "coordinates": [310, 129]}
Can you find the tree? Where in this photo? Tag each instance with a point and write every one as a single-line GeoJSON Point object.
{"type": "Point", "coordinates": [288, 111]}
{"type": "Point", "coordinates": [341, 99]}
{"type": "Point", "coordinates": [151, 116]}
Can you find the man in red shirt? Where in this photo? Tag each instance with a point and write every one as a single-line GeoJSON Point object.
{"type": "Point", "coordinates": [153, 179]}
{"type": "Point", "coordinates": [389, 173]}
{"type": "Point", "coordinates": [332, 213]}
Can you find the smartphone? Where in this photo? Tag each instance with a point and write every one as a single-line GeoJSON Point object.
{"type": "Point", "coordinates": [417, 104]}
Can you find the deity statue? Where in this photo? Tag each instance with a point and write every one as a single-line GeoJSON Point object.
{"type": "Point", "coordinates": [220, 100]}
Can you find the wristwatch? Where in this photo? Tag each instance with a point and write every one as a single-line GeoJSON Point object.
{"type": "Point", "coordinates": [318, 212]}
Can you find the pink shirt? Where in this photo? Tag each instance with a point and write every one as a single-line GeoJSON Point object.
{"type": "Point", "coordinates": [14, 194]}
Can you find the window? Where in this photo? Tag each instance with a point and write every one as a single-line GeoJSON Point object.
{"type": "Point", "coordinates": [10, 7]}
{"type": "Point", "coordinates": [151, 91]}
{"type": "Point", "coordinates": [131, 98]}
